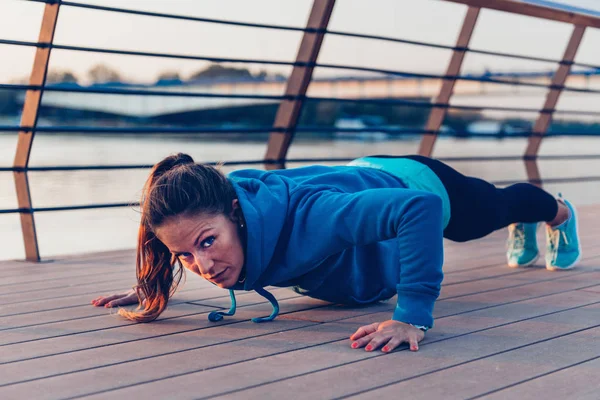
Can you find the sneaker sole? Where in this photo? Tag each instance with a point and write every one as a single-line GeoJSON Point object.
{"type": "Point", "coordinates": [525, 265]}
{"type": "Point", "coordinates": [553, 268]}
{"type": "Point", "coordinates": [570, 266]}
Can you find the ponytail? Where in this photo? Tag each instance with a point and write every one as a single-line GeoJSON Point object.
{"type": "Point", "coordinates": [156, 275]}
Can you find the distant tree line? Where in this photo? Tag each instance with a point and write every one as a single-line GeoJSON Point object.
{"type": "Point", "coordinates": [102, 73]}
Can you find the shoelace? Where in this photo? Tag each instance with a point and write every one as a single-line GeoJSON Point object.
{"type": "Point", "coordinates": [516, 239]}
{"type": "Point", "coordinates": [554, 236]}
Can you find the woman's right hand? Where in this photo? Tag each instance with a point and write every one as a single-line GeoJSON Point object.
{"type": "Point", "coordinates": [123, 299]}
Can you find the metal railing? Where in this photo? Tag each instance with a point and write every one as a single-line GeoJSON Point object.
{"type": "Point", "coordinates": [291, 102]}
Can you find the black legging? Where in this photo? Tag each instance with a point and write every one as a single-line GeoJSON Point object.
{"type": "Point", "coordinates": [479, 208]}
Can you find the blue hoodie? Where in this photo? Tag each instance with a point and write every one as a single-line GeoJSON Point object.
{"type": "Point", "coordinates": [346, 234]}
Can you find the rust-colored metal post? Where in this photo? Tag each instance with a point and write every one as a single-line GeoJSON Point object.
{"type": "Point", "coordinates": [29, 119]}
{"type": "Point", "coordinates": [545, 117]}
{"type": "Point", "coordinates": [297, 84]}
{"type": "Point", "coordinates": [437, 114]}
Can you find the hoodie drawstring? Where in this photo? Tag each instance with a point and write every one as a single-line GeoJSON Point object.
{"type": "Point", "coordinates": [218, 315]}
{"type": "Point", "coordinates": [274, 303]}
{"type": "Point", "coordinates": [215, 316]}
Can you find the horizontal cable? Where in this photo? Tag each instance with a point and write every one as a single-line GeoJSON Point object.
{"type": "Point", "coordinates": [310, 30]}
{"type": "Point", "coordinates": [144, 92]}
{"type": "Point", "coordinates": [269, 129]}
{"type": "Point", "coordinates": [148, 130]}
{"type": "Point", "coordinates": [127, 166]}
{"type": "Point", "coordinates": [180, 17]}
{"type": "Point", "coordinates": [455, 48]}
{"type": "Point", "coordinates": [206, 130]}
{"type": "Point", "coordinates": [22, 43]}
{"type": "Point", "coordinates": [15, 210]}
{"type": "Point", "coordinates": [194, 94]}
{"type": "Point", "coordinates": [552, 157]}
{"type": "Point", "coordinates": [551, 180]}
{"type": "Point", "coordinates": [121, 205]}
{"type": "Point", "coordinates": [67, 208]}
{"type": "Point", "coordinates": [329, 66]}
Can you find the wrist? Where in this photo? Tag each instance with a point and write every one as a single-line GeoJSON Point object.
{"type": "Point", "coordinates": [421, 327]}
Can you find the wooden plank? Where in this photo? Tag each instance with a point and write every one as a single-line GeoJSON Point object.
{"type": "Point", "coordinates": [132, 344]}
{"type": "Point", "coordinates": [61, 293]}
{"type": "Point", "coordinates": [79, 257]}
{"type": "Point", "coordinates": [62, 289]}
{"type": "Point", "coordinates": [36, 274]}
{"type": "Point", "coordinates": [182, 345]}
{"type": "Point", "coordinates": [57, 265]}
{"type": "Point", "coordinates": [504, 357]}
{"type": "Point", "coordinates": [558, 80]}
{"type": "Point", "coordinates": [38, 306]}
{"type": "Point", "coordinates": [533, 172]}
{"type": "Point", "coordinates": [288, 112]}
{"type": "Point", "coordinates": [43, 292]}
{"type": "Point", "coordinates": [582, 384]}
{"type": "Point", "coordinates": [532, 10]}
{"type": "Point", "coordinates": [280, 338]}
{"type": "Point", "coordinates": [113, 330]}
{"type": "Point", "coordinates": [73, 327]}
{"type": "Point", "coordinates": [205, 296]}
{"type": "Point", "coordinates": [349, 369]}
{"type": "Point", "coordinates": [284, 360]}
{"type": "Point", "coordinates": [491, 298]}
{"type": "Point", "coordinates": [199, 296]}
{"type": "Point", "coordinates": [437, 114]}
{"type": "Point", "coordinates": [493, 272]}
{"type": "Point", "coordinates": [29, 119]}
{"type": "Point", "coordinates": [455, 291]}
{"type": "Point", "coordinates": [594, 289]}
{"type": "Point", "coordinates": [40, 286]}
{"type": "Point", "coordinates": [23, 193]}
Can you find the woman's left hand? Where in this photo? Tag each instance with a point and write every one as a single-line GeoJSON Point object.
{"type": "Point", "coordinates": [391, 333]}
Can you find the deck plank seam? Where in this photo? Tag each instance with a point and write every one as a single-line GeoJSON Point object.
{"type": "Point", "coordinates": [535, 377]}
{"type": "Point", "coordinates": [287, 351]}
{"type": "Point", "coordinates": [470, 361]}
{"type": "Point", "coordinates": [320, 306]}
{"type": "Point", "coordinates": [374, 355]}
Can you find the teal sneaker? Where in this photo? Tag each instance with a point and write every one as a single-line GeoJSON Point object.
{"type": "Point", "coordinates": [563, 250]}
{"type": "Point", "coordinates": [522, 248]}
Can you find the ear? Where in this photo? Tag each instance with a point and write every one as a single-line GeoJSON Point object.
{"type": "Point", "coordinates": [235, 210]}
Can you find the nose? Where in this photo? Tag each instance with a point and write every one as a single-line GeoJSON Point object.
{"type": "Point", "coordinates": [205, 264]}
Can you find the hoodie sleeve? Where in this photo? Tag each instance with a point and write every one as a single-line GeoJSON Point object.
{"type": "Point", "coordinates": [354, 219]}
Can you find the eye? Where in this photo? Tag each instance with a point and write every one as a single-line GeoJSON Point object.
{"type": "Point", "coordinates": [184, 255]}
{"type": "Point", "coordinates": [206, 243]}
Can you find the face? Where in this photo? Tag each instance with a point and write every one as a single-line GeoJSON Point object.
{"type": "Point", "coordinates": [207, 245]}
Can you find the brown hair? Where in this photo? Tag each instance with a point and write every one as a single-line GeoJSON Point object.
{"type": "Point", "coordinates": [176, 186]}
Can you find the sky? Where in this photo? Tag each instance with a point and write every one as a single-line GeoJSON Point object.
{"type": "Point", "coordinates": [426, 20]}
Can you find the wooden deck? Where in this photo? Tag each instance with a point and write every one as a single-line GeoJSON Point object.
{"type": "Point", "coordinates": [500, 333]}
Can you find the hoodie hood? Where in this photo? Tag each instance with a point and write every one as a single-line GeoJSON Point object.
{"type": "Point", "coordinates": [255, 193]}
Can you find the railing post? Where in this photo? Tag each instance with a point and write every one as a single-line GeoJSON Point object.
{"type": "Point", "coordinates": [545, 116]}
{"type": "Point", "coordinates": [29, 118]}
{"type": "Point", "coordinates": [297, 84]}
{"type": "Point", "coordinates": [439, 110]}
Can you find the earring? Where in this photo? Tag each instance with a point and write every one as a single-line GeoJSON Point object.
{"type": "Point", "coordinates": [241, 225]}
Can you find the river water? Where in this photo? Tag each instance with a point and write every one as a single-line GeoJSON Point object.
{"type": "Point", "coordinates": [71, 232]}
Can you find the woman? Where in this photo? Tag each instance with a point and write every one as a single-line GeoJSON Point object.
{"type": "Point", "coordinates": [351, 234]}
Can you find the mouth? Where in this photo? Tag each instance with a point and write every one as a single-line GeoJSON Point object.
{"type": "Point", "coordinates": [219, 277]}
